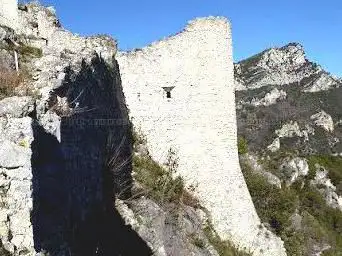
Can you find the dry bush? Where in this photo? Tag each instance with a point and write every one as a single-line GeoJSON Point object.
{"type": "Point", "coordinates": [10, 81]}
{"type": "Point", "coordinates": [13, 83]}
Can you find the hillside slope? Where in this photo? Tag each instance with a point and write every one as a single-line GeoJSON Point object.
{"type": "Point", "coordinates": [290, 141]}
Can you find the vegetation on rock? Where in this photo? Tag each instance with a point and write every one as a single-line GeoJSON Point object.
{"type": "Point", "coordinates": [13, 83]}
{"type": "Point", "coordinates": [224, 248]}
{"type": "Point", "coordinates": [166, 188]}
{"type": "Point", "coordinates": [158, 181]}
{"type": "Point", "coordinates": [320, 225]}
{"type": "Point", "coordinates": [242, 145]}
{"type": "Point", "coordinates": [333, 164]}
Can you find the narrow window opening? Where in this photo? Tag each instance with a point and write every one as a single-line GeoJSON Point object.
{"type": "Point", "coordinates": [168, 91]}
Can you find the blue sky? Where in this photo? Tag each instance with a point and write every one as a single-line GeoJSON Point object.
{"type": "Point", "coordinates": [257, 24]}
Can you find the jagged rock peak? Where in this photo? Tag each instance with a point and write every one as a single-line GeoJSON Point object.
{"type": "Point", "coordinates": [283, 66]}
{"type": "Point", "coordinates": [286, 57]}
{"type": "Point", "coordinates": [291, 54]}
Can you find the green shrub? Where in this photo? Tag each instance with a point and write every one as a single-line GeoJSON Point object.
{"type": "Point", "coordinates": [294, 242]}
{"type": "Point", "coordinates": [30, 51]}
{"type": "Point", "coordinates": [161, 183]}
{"type": "Point", "coordinates": [274, 161]}
{"type": "Point", "coordinates": [275, 206]}
{"type": "Point", "coordinates": [197, 241]}
{"type": "Point", "coordinates": [25, 50]}
{"type": "Point", "coordinates": [242, 146]}
{"type": "Point", "coordinates": [329, 217]}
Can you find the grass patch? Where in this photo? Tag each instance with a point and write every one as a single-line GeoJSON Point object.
{"type": "Point", "coordinates": [161, 183]}
{"type": "Point", "coordinates": [24, 50]}
{"type": "Point", "coordinates": [30, 51]}
{"type": "Point", "coordinates": [224, 248]}
{"type": "Point", "coordinates": [13, 83]}
{"type": "Point", "coordinates": [242, 146]}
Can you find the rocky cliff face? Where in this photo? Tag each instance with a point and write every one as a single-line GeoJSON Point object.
{"type": "Point", "coordinates": [289, 114]}
{"type": "Point", "coordinates": [283, 66]}
{"type": "Point", "coordinates": [282, 96]}
{"type": "Point", "coordinates": [59, 126]}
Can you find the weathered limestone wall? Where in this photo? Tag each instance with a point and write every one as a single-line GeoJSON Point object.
{"type": "Point", "coordinates": [9, 13]}
{"type": "Point", "coordinates": [198, 121]}
{"type": "Point", "coordinates": [55, 186]}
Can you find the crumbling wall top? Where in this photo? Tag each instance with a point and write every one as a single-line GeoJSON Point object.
{"type": "Point", "coordinates": [207, 23]}
{"type": "Point", "coordinates": [216, 24]}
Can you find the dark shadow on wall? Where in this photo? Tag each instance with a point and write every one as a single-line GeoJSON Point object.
{"type": "Point", "coordinates": [74, 186]}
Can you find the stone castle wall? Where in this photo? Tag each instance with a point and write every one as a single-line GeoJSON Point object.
{"type": "Point", "coordinates": [198, 121]}
{"type": "Point", "coordinates": [9, 13]}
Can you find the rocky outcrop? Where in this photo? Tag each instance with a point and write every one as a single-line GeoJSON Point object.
{"type": "Point", "coordinates": [16, 106]}
{"type": "Point", "coordinates": [156, 225]}
{"type": "Point", "coordinates": [294, 168]}
{"type": "Point", "coordinates": [289, 112]}
{"type": "Point", "coordinates": [252, 161]}
{"type": "Point", "coordinates": [327, 188]}
{"type": "Point", "coordinates": [324, 120]}
{"type": "Point", "coordinates": [56, 188]}
{"type": "Point", "coordinates": [283, 66]}
{"type": "Point", "coordinates": [275, 145]}
{"type": "Point", "coordinates": [270, 98]}
{"type": "Point", "coordinates": [292, 129]}
{"type": "Point", "coordinates": [281, 94]}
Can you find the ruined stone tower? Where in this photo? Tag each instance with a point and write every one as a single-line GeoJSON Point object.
{"type": "Point", "coordinates": [180, 93]}
{"type": "Point", "coordinates": [9, 13]}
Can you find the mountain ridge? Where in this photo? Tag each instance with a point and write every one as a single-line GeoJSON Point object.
{"type": "Point", "coordinates": [290, 131]}
{"type": "Point", "coordinates": [283, 65]}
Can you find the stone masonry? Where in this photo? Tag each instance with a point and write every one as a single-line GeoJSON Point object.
{"type": "Point", "coordinates": [180, 93]}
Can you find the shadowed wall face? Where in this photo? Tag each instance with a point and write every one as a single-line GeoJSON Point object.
{"type": "Point", "coordinates": [73, 187]}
